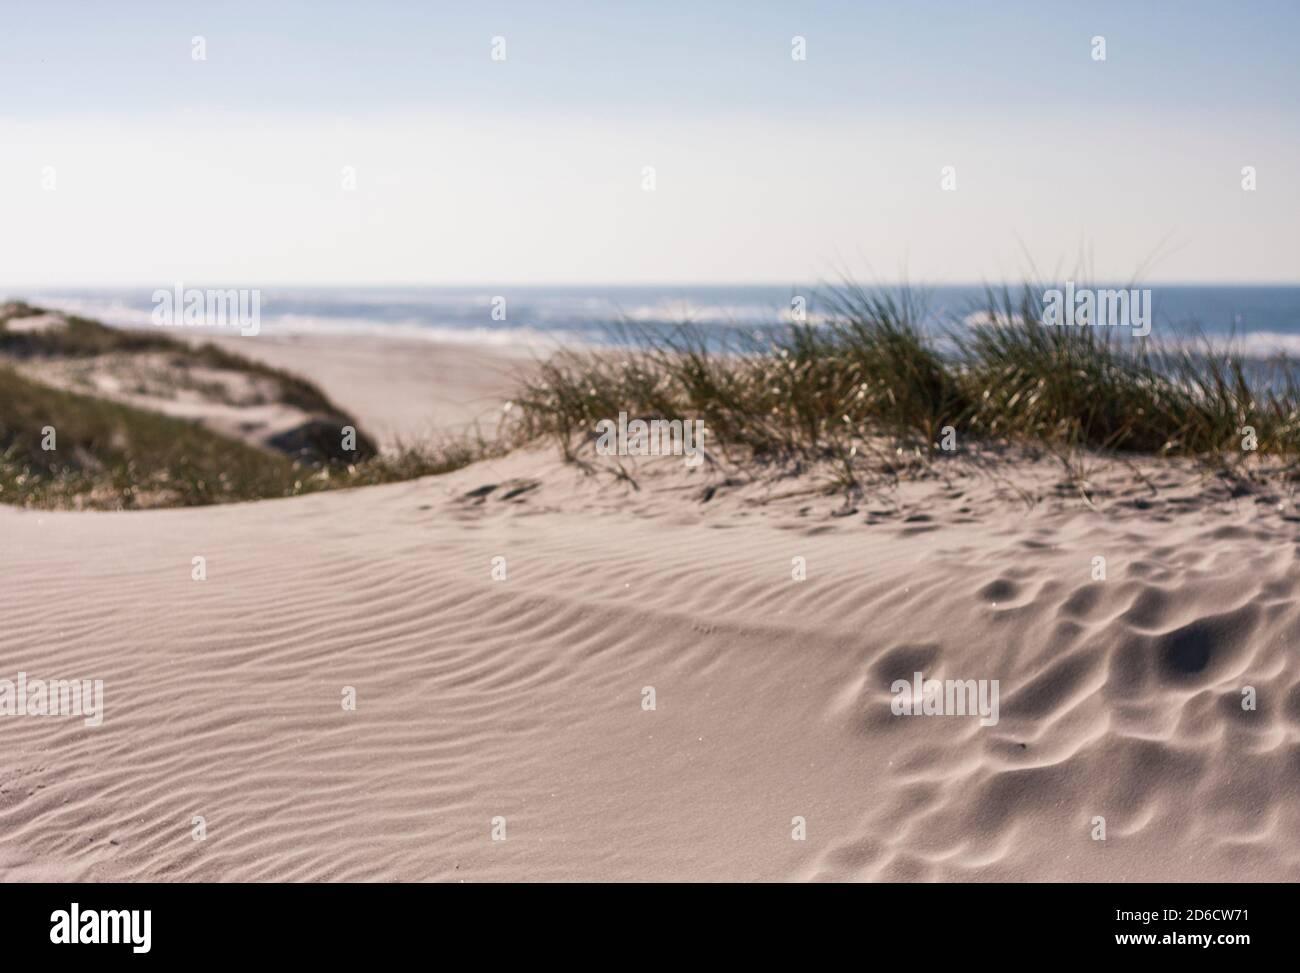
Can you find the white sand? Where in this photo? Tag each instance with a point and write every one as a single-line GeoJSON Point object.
{"type": "Point", "coordinates": [399, 388]}
{"type": "Point", "coordinates": [522, 698]}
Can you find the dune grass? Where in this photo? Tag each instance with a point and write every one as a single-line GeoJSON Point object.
{"type": "Point", "coordinates": [115, 457]}
{"type": "Point", "coordinates": [869, 370]}
{"type": "Point", "coordinates": [85, 338]}
{"type": "Point", "coordinates": [108, 455]}
{"type": "Point", "coordinates": [806, 393]}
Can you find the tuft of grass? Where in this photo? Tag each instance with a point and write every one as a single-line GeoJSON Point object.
{"type": "Point", "coordinates": [809, 390]}
{"type": "Point", "coordinates": [1094, 388]}
{"type": "Point", "coordinates": [821, 391]}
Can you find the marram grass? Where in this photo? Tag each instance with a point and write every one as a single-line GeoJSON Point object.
{"type": "Point", "coordinates": [869, 370]}
{"type": "Point", "coordinates": [805, 393]}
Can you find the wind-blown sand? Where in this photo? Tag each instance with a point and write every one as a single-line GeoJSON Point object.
{"type": "Point", "coordinates": [522, 698]}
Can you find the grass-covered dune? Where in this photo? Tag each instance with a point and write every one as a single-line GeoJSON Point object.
{"type": "Point", "coordinates": [66, 448]}
{"type": "Point", "coordinates": [84, 338]}
{"type": "Point", "coordinates": [870, 370]}
{"type": "Point", "coordinates": [110, 455]}
{"type": "Point", "coordinates": [864, 384]}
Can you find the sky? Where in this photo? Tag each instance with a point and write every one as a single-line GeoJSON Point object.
{"type": "Point", "coordinates": [124, 160]}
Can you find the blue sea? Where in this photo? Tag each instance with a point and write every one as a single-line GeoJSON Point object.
{"type": "Point", "coordinates": [1258, 321]}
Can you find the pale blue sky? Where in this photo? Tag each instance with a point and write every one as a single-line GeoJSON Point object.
{"type": "Point", "coordinates": [530, 170]}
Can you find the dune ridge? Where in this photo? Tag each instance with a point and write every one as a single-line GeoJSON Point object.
{"type": "Point", "coordinates": [522, 698]}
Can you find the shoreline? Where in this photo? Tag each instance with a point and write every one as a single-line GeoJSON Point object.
{"type": "Point", "coordinates": [1257, 332]}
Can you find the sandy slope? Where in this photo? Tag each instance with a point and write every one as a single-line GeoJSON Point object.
{"type": "Point", "coordinates": [522, 698]}
{"type": "Point", "coordinates": [398, 389]}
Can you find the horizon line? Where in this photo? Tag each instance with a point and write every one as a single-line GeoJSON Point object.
{"type": "Point", "coordinates": [9, 290]}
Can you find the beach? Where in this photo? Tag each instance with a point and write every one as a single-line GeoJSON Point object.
{"type": "Point", "coordinates": [535, 670]}
{"type": "Point", "coordinates": [401, 389]}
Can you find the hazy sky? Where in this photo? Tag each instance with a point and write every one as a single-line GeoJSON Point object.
{"type": "Point", "coordinates": [530, 170]}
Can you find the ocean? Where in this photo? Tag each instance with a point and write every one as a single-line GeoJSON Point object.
{"type": "Point", "coordinates": [1259, 321]}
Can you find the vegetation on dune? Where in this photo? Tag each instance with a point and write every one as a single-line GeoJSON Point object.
{"type": "Point", "coordinates": [805, 393]}
{"type": "Point", "coordinates": [84, 338]}
{"type": "Point", "coordinates": [1088, 386]}
{"type": "Point", "coordinates": [821, 390]}
{"type": "Point", "coordinates": [111, 455]}
{"type": "Point", "coordinates": [61, 449]}
{"type": "Point", "coordinates": [116, 457]}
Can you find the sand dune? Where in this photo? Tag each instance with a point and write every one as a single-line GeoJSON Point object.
{"type": "Point", "coordinates": [400, 389]}
{"type": "Point", "coordinates": [523, 698]}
